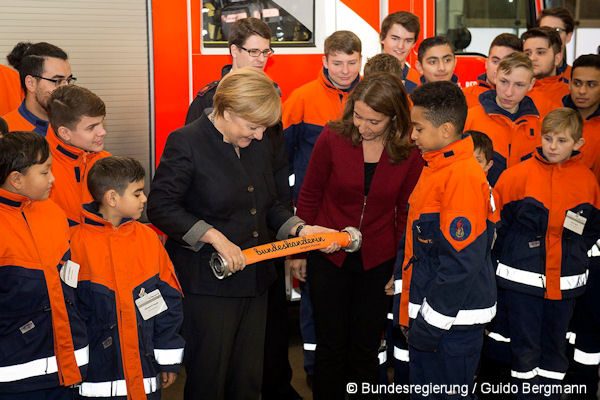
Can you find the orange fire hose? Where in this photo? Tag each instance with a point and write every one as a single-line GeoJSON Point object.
{"type": "Point", "coordinates": [349, 239]}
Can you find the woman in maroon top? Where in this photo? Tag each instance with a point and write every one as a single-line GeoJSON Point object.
{"type": "Point", "coordinates": [361, 173]}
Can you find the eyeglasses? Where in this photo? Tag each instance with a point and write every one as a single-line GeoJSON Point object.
{"type": "Point", "coordinates": [560, 30]}
{"type": "Point", "coordinates": [58, 81]}
{"type": "Point", "coordinates": [257, 52]}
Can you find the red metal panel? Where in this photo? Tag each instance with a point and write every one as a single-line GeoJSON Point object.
{"type": "Point", "coordinates": [367, 10]}
{"type": "Point", "coordinates": [169, 29]}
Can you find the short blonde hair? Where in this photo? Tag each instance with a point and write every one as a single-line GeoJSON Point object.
{"type": "Point", "coordinates": [563, 120]}
{"type": "Point", "coordinates": [515, 60]}
{"type": "Point", "coordinates": [251, 95]}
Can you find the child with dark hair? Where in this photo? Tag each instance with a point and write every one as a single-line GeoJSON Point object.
{"type": "Point", "coordinates": [549, 218]}
{"type": "Point", "coordinates": [448, 287]}
{"type": "Point", "coordinates": [130, 297]}
{"type": "Point", "coordinates": [483, 149]}
{"type": "Point", "coordinates": [43, 342]}
{"type": "Point", "coordinates": [436, 60]}
{"type": "Point", "coordinates": [76, 142]}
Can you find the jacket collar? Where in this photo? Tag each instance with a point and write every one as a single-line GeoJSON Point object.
{"type": "Point", "coordinates": [66, 151]}
{"type": "Point", "coordinates": [93, 218]}
{"type": "Point", "coordinates": [549, 80]}
{"type": "Point", "coordinates": [458, 150]}
{"type": "Point", "coordinates": [483, 82]}
{"type": "Point", "coordinates": [40, 125]}
{"type": "Point", "coordinates": [454, 79]}
{"type": "Point", "coordinates": [568, 102]}
{"type": "Point", "coordinates": [326, 81]}
{"type": "Point", "coordinates": [539, 156]}
{"type": "Point", "coordinates": [526, 106]}
{"type": "Point", "coordinates": [13, 200]}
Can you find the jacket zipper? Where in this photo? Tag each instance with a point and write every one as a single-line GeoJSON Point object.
{"type": "Point", "coordinates": [362, 213]}
{"type": "Point", "coordinates": [410, 262]}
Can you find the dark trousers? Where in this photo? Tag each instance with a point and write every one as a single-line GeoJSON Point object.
{"type": "Point", "coordinates": [350, 309]}
{"type": "Point", "coordinates": [277, 373]}
{"type": "Point", "coordinates": [494, 367]}
{"type": "Point", "coordinates": [453, 364]}
{"type": "Point", "coordinates": [538, 329]}
{"type": "Point", "coordinates": [55, 393]}
{"type": "Point", "coordinates": [585, 354]}
{"type": "Point", "coordinates": [224, 351]}
{"type": "Point", "coordinates": [307, 330]}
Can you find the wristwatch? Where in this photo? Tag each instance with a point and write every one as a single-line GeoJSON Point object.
{"type": "Point", "coordinates": [299, 229]}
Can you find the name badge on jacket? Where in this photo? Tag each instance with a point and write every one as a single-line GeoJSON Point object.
{"type": "Point", "coordinates": [151, 304]}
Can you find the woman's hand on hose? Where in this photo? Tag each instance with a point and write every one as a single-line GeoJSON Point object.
{"type": "Point", "coordinates": [315, 229]}
{"type": "Point", "coordinates": [228, 250]}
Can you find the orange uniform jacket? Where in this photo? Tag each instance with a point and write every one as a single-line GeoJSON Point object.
{"type": "Point", "coordinates": [536, 254]}
{"type": "Point", "coordinates": [472, 92]}
{"type": "Point", "coordinates": [43, 341]}
{"type": "Point", "coordinates": [514, 136]}
{"type": "Point", "coordinates": [70, 167]}
{"type": "Point", "coordinates": [120, 265]}
{"type": "Point", "coordinates": [305, 113]}
{"type": "Point", "coordinates": [547, 93]}
{"type": "Point", "coordinates": [10, 87]}
{"type": "Point", "coordinates": [591, 133]}
{"type": "Point", "coordinates": [445, 264]}
{"type": "Point", "coordinates": [21, 119]}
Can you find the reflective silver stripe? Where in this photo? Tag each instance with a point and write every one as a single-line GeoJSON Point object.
{"type": "Point", "coordinates": [398, 286]}
{"type": "Point", "coordinates": [435, 318]}
{"type": "Point", "coordinates": [168, 356]}
{"type": "Point", "coordinates": [413, 310]}
{"type": "Point", "coordinates": [401, 354]}
{"type": "Point", "coordinates": [310, 346]}
{"type": "Point", "coordinates": [42, 366]}
{"type": "Point", "coordinates": [114, 388]}
{"type": "Point", "coordinates": [524, 375]}
{"type": "Point", "coordinates": [464, 317]}
{"type": "Point", "coordinates": [595, 250]}
{"type": "Point", "coordinates": [586, 358]}
{"type": "Point", "coordinates": [559, 376]}
{"type": "Point", "coordinates": [382, 357]}
{"type": "Point", "coordinates": [571, 336]}
{"type": "Point", "coordinates": [539, 280]}
{"type": "Point", "coordinates": [498, 337]}
{"type": "Point", "coordinates": [390, 316]}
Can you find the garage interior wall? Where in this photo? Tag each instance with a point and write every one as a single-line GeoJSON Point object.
{"type": "Point", "coordinates": [107, 44]}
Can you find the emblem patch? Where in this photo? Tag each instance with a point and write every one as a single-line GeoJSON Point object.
{"type": "Point", "coordinates": [460, 228]}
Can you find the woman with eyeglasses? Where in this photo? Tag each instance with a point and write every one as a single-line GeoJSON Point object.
{"type": "Point", "coordinates": [361, 173]}
{"type": "Point", "coordinates": [214, 191]}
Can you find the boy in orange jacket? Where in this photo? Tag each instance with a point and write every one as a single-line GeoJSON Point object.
{"type": "Point", "coordinates": [43, 341]}
{"type": "Point", "coordinates": [448, 288]}
{"type": "Point", "coordinates": [507, 114]}
{"type": "Point", "coordinates": [544, 47]}
{"type": "Point", "coordinates": [549, 218]}
{"type": "Point", "coordinates": [130, 297]}
{"type": "Point", "coordinates": [76, 143]}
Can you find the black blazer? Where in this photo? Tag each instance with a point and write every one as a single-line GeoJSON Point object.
{"type": "Point", "coordinates": [200, 180]}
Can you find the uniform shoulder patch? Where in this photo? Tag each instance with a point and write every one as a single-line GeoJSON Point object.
{"type": "Point", "coordinates": [460, 228]}
{"type": "Point", "coordinates": [207, 88]}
